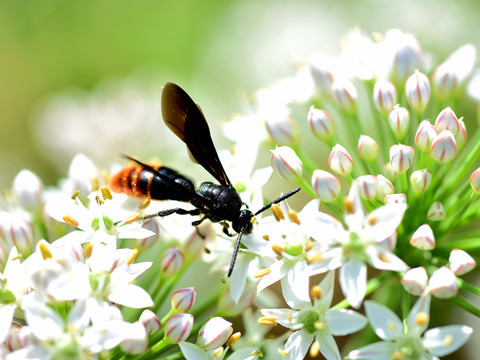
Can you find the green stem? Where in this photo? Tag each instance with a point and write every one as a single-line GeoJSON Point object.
{"type": "Point", "coordinates": [465, 305]}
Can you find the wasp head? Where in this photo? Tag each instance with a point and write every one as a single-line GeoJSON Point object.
{"type": "Point", "coordinates": [243, 223]}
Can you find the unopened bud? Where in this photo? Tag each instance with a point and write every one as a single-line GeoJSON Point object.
{"type": "Point", "coordinates": [420, 180]}
{"type": "Point", "coordinates": [384, 96]}
{"type": "Point", "coordinates": [395, 199]}
{"type": "Point", "coordinates": [415, 280]}
{"type": "Point", "coordinates": [385, 187]}
{"type": "Point", "coordinates": [283, 130]}
{"type": "Point", "coordinates": [345, 94]}
{"type": "Point", "coordinates": [461, 262]}
{"type": "Point", "coordinates": [17, 231]}
{"type": "Point", "coordinates": [367, 148]}
{"type": "Point", "coordinates": [436, 212]}
{"type": "Point", "coordinates": [172, 262]}
{"type": "Point", "coordinates": [214, 333]}
{"type": "Point", "coordinates": [321, 72]}
{"type": "Point", "coordinates": [444, 81]}
{"type": "Point", "coordinates": [150, 321]}
{"type": "Point", "coordinates": [417, 89]}
{"type": "Point", "coordinates": [321, 123]}
{"type": "Point", "coordinates": [444, 147]}
{"type": "Point", "coordinates": [399, 120]}
{"type": "Point", "coordinates": [183, 300]}
{"type": "Point", "coordinates": [340, 160]}
{"type": "Point", "coordinates": [423, 238]}
{"type": "Point", "coordinates": [286, 163]}
{"type": "Point", "coordinates": [461, 137]}
{"type": "Point", "coordinates": [28, 189]}
{"type": "Point", "coordinates": [447, 120]}
{"type": "Point", "coordinates": [401, 158]}
{"type": "Point", "coordinates": [178, 328]}
{"type": "Point", "coordinates": [475, 181]}
{"type": "Point", "coordinates": [425, 135]}
{"type": "Point", "coordinates": [443, 283]}
{"type": "Point", "coordinates": [367, 186]}
{"type": "Point", "coordinates": [136, 341]}
{"type": "Point", "coordinates": [325, 185]}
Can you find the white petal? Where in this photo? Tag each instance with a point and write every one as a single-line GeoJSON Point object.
{"type": "Point", "coordinates": [274, 275]}
{"type": "Point", "coordinates": [383, 259]}
{"type": "Point", "coordinates": [343, 321]}
{"type": "Point", "coordinates": [298, 344]}
{"type": "Point", "coordinates": [44, 322]}
{"type": "Point", "coordinates": [239, 277]}
{"type": "Point", "coordinates": [295, 286]}
{"type": "Point", "coordinates": [128, 273]}
{"type": "Point", "coordinates": [382, 222]}
{"type": "Point", "coordinates": [446, 339]}
{"type": "Point", "coordinates": [377, 351]}
{"type": "Point", "coordinates": [417, 325]}
{"type": "Point", "coordinates": [285, 317]}
{"type": "Point", "coordinates": [328, 346]}
{"type": "Point", "coordinates": [353, 281]}
{"type": "Point", "coordinates": [320, 226]}
{"type": "Point", "coordinates": [135, 233]}
{"type": "Point", "coordinates": [385, 323]}
{"type": "Point", "coordinates": [6, 316]}
{"type": "Point", "coordinates": [327, 285]}
{"type": "Point", "coordinates": [192, 352]}
{"type": "Point", "coordinates": [130, 295]}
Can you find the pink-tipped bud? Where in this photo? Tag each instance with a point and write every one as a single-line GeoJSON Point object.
{"type": "Point", "coordinates": [367, 186]}
{"type": "Point", "coordinates": [178, 328]}
{"type": "Point", "coordinates": [286, 163]}
{"type": "Point", "coordinates": [283, 130]}
{"type": "Point", "coordinates": [150, 321]}
{"type": "Point", "coordinates": [385, 187]}
{"type": "Point", "coordinates": [367, 148]}
{"type": "Point", "coordinates": [415, 280]}
{"type": "Point", "coordinates": [395, 199]}
{"type": "Point", "coordinates": [447, 120]}
{"type": "Point", "coordinates": [461, 262]}
{"type": "Point", "coordinates": [321, 123]}
{"type": "Point", "coordinates": [384, 96]}
{"type": "Point", "coordinates": [81, 172]}
{"type": "Point", "coordinates": [461, 137]}
{"type": "Point", "coordinates": [444, 81]}
{"type": "Point", "coordinates": [420, 180]}
{"type": "Point", "coordinates": [136, 341]}
{"type": "Point", "coordinates": [172, 261]}
{"type": "Point", "coordinates": [425, 135]}
{"type": "Point", "coordinates": [389, 172]}
{"type": "Point", "coordinates": [321, 72]}
{"type": "Point", "coordinates": [28, 189]}
{"type": "Point", "coordinates": [443, 283]}
{"type": "Point", "coordinates": [401, 158]}
{"type": "Point", "coordinates": [183, 300]}
{"type": "Point", "coordinates": [475, 181]}
{"type": "Point", "coordinates": [436, 212]}
{"type": "Point", "coordinates": [146, 243]}
{"type": "Point", "coordinates": [423, 238]}
{"type": "Point", "coordinates": [340, 160]}
{"type": "Point", "coordinates": [326, 186]}
{"type": "Point", "coordinates": [417, 89]}
{"type": "Point", "coordinates": [194, 243]}
{"type": "Point", "coordinates": [214, 333]}
{"type": "Point", "coordinates": [444, 147]}
{"type": "Point", "coordinates": [17, 231]}
{"type": "Point", "coordinates": [345, 94]}
{"type": "Point", "coordinates": [399, 120]}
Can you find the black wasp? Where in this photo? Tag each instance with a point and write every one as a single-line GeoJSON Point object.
{"type": "Point", "coordinates": [215, 202]}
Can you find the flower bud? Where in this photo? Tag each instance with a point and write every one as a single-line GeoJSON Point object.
{"type": "Point", "coordinates": [286, 163]}
{"type": "Point", "coordinates": [384, 96]}
{"type": "Point", "coordinates": [423, 238]}
{"type": "Point", "coordinates": [367, 148]}
{"type": "Point", "coordinates": [17, 231]}
{"type": "Point", "coordinates": [475, 181]}
{"type": "Point", "coordinates": [178, 328]}
{"type": "Point", "coordinates": [447, 120]}
{"type": "Point", "coordinates": [443, 148]}
{"type": "Point", "coordinates": [172, 261]}
{"type": "Point", "coordinates": [283, 130]}
{"type": "Point", "coordinates": [340, 160]}
{"type": "Point", "coordinates": [385, 187]}
{"type": "Point", "coordinates": [28, 189]}
{"type": "Point", "coordinates": [401, 158]}
{"type": "Point", "coordinates": [425, 135]}
{"type": "Point", "coordinates": [136, 341]}
{"type": "Point", "coordinates": [321, 123]}
{"type": "Point", "coordinates": [395, 199]}
{"type": "Point", "coordinates": [194, 243]}
{"type": "Point", "coordinates": [214, 333]}
{"type": "Point", "coordinates": [415, 280]}
{"type": "Point", "coordinates": [460, 262]}
{"type": "Point", "coordinates": [420, 180]}
{"type": "Point", "coordinates": [150, 321]}
{"type": "Point", "coordinates": [399, 120]}
{"type": "Point", "coordinates": [183, 300]}
{"type": "Point", "coordinates": [444, 81]}
{"type": "Point", "coordinates": [436, 212]}
{"type": "Point", "coordinates": [326, 186]}
{"type": "Point", "coordinates": [321, 72]}
{"type": "Point", "coordinates": [461, 137]}
{"type": "Point", "coordinates": [345, 94]}
{"type": "Point", "coordinates": [417, 89]}
{"type": "Point", "coordinates": [443, 283]}
{"type": "Point", "coordinates": [81, 173]}
{"type": "Point", "coordinates": [367, 186]}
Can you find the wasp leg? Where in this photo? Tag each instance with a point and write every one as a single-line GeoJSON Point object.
{"type": "Point", "coordinates": [225, 231]}
{"type": "Point", "coordinates": [163, 213]}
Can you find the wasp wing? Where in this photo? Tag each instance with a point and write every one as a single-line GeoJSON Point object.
{"type": "Point", "coordinates": [186, 120]}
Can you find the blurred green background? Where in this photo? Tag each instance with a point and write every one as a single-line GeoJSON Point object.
{"type": "Point", "coordinates": [214, 49]}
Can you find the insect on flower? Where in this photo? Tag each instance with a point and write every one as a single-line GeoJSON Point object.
{"type": "Point", "coordinates": [218, 203]}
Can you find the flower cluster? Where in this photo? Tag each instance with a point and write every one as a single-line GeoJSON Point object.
{"type": "Point", "coordinates": [372, 136]}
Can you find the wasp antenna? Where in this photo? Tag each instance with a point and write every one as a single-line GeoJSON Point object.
{"type": "Point", "coordinates": [281, 198]}
{"type": "Point", "coordinates": [234, 255]}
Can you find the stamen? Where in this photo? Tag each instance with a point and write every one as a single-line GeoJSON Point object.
{"type": "Point", "coordinates": [421, 318]}
{"type": "Point", "coordinates": [70, 221]}
{"type": "Point", "coordinates": [314, 257]}
{"type": "Point", "coordinates": [75, 194]}
{"type": "Point", "coordinates": [144, 204]}
{"type": "Point", "coordinates": [132, 257]}
{"type": "Point", "coordinates": [87, 250]}
{"type": "Point", "coordinates": [309, 245]}
{"type": "Point", "coordinates": [278, 249]}
{"type": "Point", "coordinates": [283, 353]}
{"type": "Point", "coordinates": [233, 339]}
{"type": "Point", "coordinates": [277, 212]}
{"type": "Point", "coordinates": [262, 273]}
{"type": "Point", "coordinates": [293, 215]}
{"type": "Point", "coordinates": [316, 292]}
{"type": "Point", "coordinates": [268, 320]}
{"type": "Point", "coordinates": [95, 183]}
{"type": "Point", "coordinates": [315, 349]}
{"type": "Point", "coordinates": [44, 250]}
{"type": "Point", "coordinates": [98, 200]}
{"type": "Point", "coordinates": [447, 341]}
{"type": "Point", "coordinates": [106, 193]}
{"type": "Point", "coordinates": [372, 220]}
{"type": "Point", "coordinates": [132, 218]}
{"type": "Point", "coordinates": [348, 205]}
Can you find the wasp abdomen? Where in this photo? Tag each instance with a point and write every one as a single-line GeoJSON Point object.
{"type": "Point", "coordinates": [143, 182]}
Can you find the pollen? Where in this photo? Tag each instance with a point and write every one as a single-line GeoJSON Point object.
{"type": "Point", "coordinates": [87, 250]}
{"type": "Point", "coordinates": [309, 245]}
{"type": "Point", "coordinates": [314, 257]}
{"type": "Point", "coordinates": [144, 204]}
{"type": "Point", "coordinates": [98, 200]}
{"type": "Point", "coordinates": [70, 221]}
{"type": "Point", "coordinates": [218, 353]}
{"type": "Point", "coordinates": [398, 355]}
{"type": "Point", "coordinates": [447, 341]}
{"type": "Point", "coordinates": [348, 206]}
{"type": "Point", "coordinates": [319, 325]}
{"type": "Point", "coordinates": [262, 273]}
{"type": "Point", "coordinates": [95, 183]}
{"type": "Point", "coordinates": [316, 292]}
{"type": "Point", "coordinates": [421, 319]}
{"type": "Point", "coordinates": [75, 194]}
{"type": "Point", "coordinates": [391, 325]}
{"type": "Point", "coordinates": [132, 257]}
{"type": "Point", "coordinates": [372, 220]}
{"type": "Point", "coordinates": [268, 320]}
{"type": "Point", "coordinates": [315, 349]}
{"type": "Point", "coordinates": [106, 193]}
{"type": "Point", "coordinates": [234, 338]}
{"type": "Point", "coordinates": [283, 353]}
{"type": "Point", "coordinates": [132, 218]}
{"type": "Point", "coordinates": [293, 215]}
{"type": "Point", "coordinates": [278, 249]}
{"type": "Point", "coordinates": [44, 250]}
{"type": "Point", "coordinates": [277, 212]}
{"type": "Point", "coordinates": [266, 237]}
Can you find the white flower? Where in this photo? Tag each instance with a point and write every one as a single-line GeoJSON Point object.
{"type": "Point", "coordinates": [407, 342]}
{"type": "Point", "coordinates": [315, 323]}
